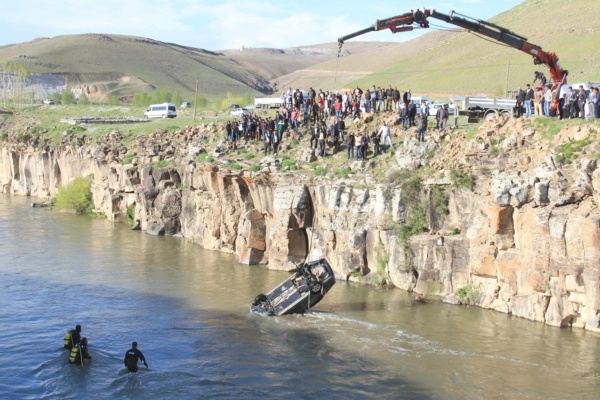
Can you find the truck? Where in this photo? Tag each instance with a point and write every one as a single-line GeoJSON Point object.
{"type": "Point", "coordinates": [420, 19]}
{"type": "Point", "coordinates": [268, 102]}
{"type": "Point", "coordinates": [478, 107]}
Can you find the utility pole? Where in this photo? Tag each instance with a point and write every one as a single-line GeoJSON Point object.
{"type": "Point", "coordinates": [507, 70]}
{"type": "Point", "coordinates": [196, 100]}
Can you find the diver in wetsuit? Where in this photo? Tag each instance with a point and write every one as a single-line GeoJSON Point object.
{"type": "Point", "coordinates": [72, 337]}
{"type": "Point", "coordinates": [131, 358]}
{"type": "Point", "coordinates": [79, 353]}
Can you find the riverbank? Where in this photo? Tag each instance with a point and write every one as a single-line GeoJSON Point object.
{"type": "Point", "coordinates": [490, 215]}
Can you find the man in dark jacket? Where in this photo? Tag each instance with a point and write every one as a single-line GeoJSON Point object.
{"type": "Point", "coordinates": [520, 102]}
{"type": "Point", "coordinates": [528, 99]}
{"type": "Point", "coordinates": [581, 99]}
{"type": "Point", "coordinates": [132, 356]}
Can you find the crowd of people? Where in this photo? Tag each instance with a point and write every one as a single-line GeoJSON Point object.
{"type": "Point", "coordinates": [322, 115]}
{"type": "Point", "coordinates": [573, 103]}
{"type": "Point", "coordinates": [78, 350]}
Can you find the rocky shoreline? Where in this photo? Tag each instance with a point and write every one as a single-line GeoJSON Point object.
{"type": "Point", "coordinates": [523, 239]}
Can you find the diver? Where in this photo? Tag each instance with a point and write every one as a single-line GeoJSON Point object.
{"type": "Point", "coordinates": [79, 353]}
{"type": "Point", "coordinates": [72, 337]}
{"type": "Point", "coordinates": [132, 356]}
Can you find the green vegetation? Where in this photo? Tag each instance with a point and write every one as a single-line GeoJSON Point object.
{"type": "Point", "coordinates": [289, 164]}
{"type": "Point", "coordinates": [409, 182]}
{"type": "Point", "coordinates": [76, 196]}
{"type": "Point", "coordinates": [128, 158]}
{"type": "Point", "coordinates": [468, 295]}
{"type": "Point", "coordinates": [321, 171]}
{"type": "Point", "coordinates": [439, 199]}
{"type": "Point", "coordinates": [462, 179]}
{"type": "Point", "coordinates": [131, 213]}
{"type": "Point", "coordinates": [249, 156]}
{"type": "Point", "coordinates": [570, 151]}
{"type": "Point", "coordinates": [344, 172]}
{"type": "Point", "coordinates": [234, 166]}
{"type": "Point", "coordinates": [204, 158]}
{"type": "Point", "coordinates": [160, 164]}
{"type": "Point", "coordinates": [255, 168]}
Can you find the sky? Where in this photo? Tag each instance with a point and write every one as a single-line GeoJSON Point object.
{"type": "Point", "coordinates": [224, 24]}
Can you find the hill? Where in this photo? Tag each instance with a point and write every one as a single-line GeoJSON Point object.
{"type": "Point", "coordinates": [122, 65]}
{"type": "Point", "coordinates": [442, 62]}
{"type": "Point", "coordinates": [446, 62]}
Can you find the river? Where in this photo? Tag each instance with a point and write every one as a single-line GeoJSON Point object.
{"type": "Point", "coordinates": [188, 309]}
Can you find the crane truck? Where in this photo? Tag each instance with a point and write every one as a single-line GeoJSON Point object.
{"type": "Point", "coordinates": [420, 18]}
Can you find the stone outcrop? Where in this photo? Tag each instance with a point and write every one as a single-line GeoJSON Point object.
{"type": "Point", "coordinates": [526, 244]}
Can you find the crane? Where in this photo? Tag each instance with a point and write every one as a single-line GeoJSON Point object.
{"type": "Point", "coordinates": [420, 18]}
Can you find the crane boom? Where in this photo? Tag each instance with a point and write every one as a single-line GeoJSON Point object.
{"type": "Point", "coordinates": [406, 22]}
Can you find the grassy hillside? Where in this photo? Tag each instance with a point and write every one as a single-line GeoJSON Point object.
{"type": "Point", "coordinates": [443, 62]}
{"type": "Point", "coordinates": [122, 65]}
{"type": "Point", "coordinates": [115, 61]}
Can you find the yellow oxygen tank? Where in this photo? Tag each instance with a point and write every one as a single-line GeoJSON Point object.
{"type": "Point", "coordinates": [67, 339]}
{"type": "Point", "coordinates": [75, 356]}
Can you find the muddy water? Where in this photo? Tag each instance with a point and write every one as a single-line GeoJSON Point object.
{"type": "Point", "coordinates": [188, 309]}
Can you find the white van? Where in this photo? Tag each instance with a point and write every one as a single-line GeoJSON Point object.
{"type": "Point", "coordinates": [164, 110]}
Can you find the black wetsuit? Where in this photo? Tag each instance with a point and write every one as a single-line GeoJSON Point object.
{"type": "Point", "coordinates": [75, 339]}
{"type": "Point", "coordinates": [131, 359]}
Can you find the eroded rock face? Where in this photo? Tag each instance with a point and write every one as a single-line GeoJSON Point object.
{"type": "Point", "coordinates": [527, 244]}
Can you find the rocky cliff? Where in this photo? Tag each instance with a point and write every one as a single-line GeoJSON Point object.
{"type": "Point", "coordinates": [522, 238]}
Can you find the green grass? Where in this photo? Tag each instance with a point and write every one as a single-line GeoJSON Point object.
{"type": "Point", "coordinates": [205, 158]}
{"type": "Point", "coordinates": [570, 151]}
{"type": "Point", "coordinates": [289, 164]}
{"type": "Point", "coordinates": [234, 166]}
{"type": "Point", "coordinates": [255, 168]}
{"type": "Point", "coordinates": [128, 158]}
{"type": "Point", "coordinates": [160, 164]}
{"type": "Point", "coordinates": [462, 179]}
{"type": "Point", "coordinates": [321, 171]}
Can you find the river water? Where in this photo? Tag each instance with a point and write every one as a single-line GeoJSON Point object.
{"type": "Point", "coordinates": [188, 309]}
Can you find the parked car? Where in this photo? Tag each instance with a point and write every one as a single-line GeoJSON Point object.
{"type": "Point", "coordinates": [238, 112]}
{"type": "Point", "coordinates": [185, 104]}
{"type": "Point", "coordinates": [164, 110]}
{"type": "Point", "coordinates": [234, 106]}
{"type": "Point", "coordinates": [434, 107]}
{"type": "Point", "coordinates": [48, 101]}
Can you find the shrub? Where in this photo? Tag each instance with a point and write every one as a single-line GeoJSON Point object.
{"type": "Point", "coordinates": [255, 168]}
{"type": "Point", "coordinates": [77, 196]}
{"type": "Point", "coordinates": [234, 166]}
{"type": "Point", "coordinates": [462, 179]}
{"type": "Point", "coordinates": [249, 156]}
{"type": "Point", "coordinates": [468, 295]}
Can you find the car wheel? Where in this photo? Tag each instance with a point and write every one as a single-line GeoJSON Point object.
{"type": "Point", "coordinates": [316, 287]}
{"type": "Point", "coordinates": [164, 116]}
{"type": "Point", "coordinates": [261, 298]}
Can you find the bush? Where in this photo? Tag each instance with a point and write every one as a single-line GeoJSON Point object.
{"type": "Point", "coordinates": [468, 295]}
{"type": "Point", "coordinates": [462, 179]}
{"type": "Point", "coordinates": [76, 196]}
{"type": "Point", "coordinates": [128, 159]}
{"type": "Point", "coordinates": [234, 166]}
{"type": "Point", "coordinates": [255, 168]}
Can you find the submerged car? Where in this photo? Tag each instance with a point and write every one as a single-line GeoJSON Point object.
{"type": "Point", "coordinates": [298, 293]}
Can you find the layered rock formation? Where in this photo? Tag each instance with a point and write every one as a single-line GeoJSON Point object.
{"type": "Point", "coordinates": [524, 243]}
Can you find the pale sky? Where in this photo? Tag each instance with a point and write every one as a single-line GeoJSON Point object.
{"type": "Point", "coordinates": [225, 24]}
